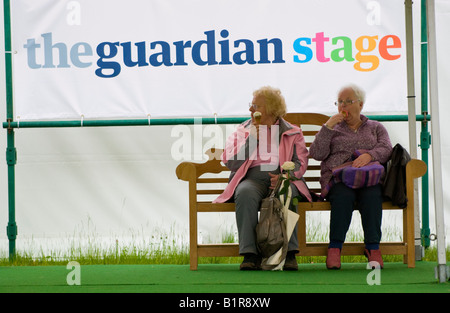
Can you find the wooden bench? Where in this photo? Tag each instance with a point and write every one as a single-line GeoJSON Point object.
{"type": "Point", "coordinates": [202, 176]}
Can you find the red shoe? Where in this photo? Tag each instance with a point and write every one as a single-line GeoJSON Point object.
{"type": "Point", "coordinates": [334, 259]}
{"type": "Point", "coordinates": [375, 258]}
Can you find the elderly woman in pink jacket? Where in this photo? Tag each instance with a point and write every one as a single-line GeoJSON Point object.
{"type": "Point", "coordinates": [254, 153]}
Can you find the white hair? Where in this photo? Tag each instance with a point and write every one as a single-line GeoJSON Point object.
{"type": "Point", "coordinates": [359, 92]}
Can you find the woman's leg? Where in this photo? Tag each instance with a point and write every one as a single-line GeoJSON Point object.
{"type": "Point", "coordinates": [370, 205]}
{"type": "Point", "coordinates": [342, 200]}
{"type": "Point", "coordinates": [293, 241]}
{"type": "Point", "coordinates": [247, 197]}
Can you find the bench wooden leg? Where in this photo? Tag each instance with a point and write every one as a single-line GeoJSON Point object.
{"type": "Point", "coordinates": [410, 241]}
{"type": "Point", "coordinates": [408, 236]}
{"type": "Point", "coordinates": [193, 240]}
{"type": "Point", "coordinates": [193, 257]}
{"type": "Point", "coordinates": [301, 229]}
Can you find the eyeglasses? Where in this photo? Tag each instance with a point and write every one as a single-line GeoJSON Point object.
{"type": "Point", "coordinates": [346, 102]}
{"type": "Point", "coordinates": [254, 106]}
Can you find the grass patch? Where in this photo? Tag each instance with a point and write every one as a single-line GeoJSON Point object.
{"type": "Point", "coordinates": [168, 255]}
{"type": "Point", "coordinates": [168, 248]}
{"type": "Point", "coordinates": [132, 254]}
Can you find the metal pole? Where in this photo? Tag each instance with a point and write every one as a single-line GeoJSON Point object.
{"type": "Point", "coordinates": [411, 115]}
{"type": "Point", "coordinates": [436, 146]}
{"type": "Point", "coordinates": [425, 138]}
{"type": "Point", "coordinates": [11, 154]}
{"type": "Point", "coordinates": [171, 121]}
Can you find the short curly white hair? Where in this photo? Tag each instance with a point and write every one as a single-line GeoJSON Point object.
{"type": "Point", "coordinates": [359, 92]}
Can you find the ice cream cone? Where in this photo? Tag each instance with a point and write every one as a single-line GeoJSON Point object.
{"type": "Point", "coordinates": [257, 117]}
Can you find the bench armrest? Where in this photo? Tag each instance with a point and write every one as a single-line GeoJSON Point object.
{"type": "Point", "coordinates": [191, 171]}
{"type": "Point", "coordinates": [415, 168]}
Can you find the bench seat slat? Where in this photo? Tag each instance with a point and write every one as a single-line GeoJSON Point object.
{"type": "Point", "coordinates": [212, 180]}
{"type": "Point", "coordinates": [210, 192]}
{"type": "Point", "coordinates": [215, 207]}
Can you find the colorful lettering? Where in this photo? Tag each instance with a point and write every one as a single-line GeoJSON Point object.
{"type": "Point", "coordinates": [215, 49]}
{"type": "Point", "coordinates": [366, 57]}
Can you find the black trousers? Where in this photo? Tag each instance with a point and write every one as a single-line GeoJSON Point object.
{"type": "Point", "coordinates": [344, 200]}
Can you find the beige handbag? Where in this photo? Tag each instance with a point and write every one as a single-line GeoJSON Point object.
{"type": "Point", "coordinates": [271, 229]}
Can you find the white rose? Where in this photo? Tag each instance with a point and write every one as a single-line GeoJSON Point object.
{"type": "Point", "coordinates": [288, 166]}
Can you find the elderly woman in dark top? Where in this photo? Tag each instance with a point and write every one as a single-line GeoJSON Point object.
{"type": "Point", "coordinates": [343, 134]}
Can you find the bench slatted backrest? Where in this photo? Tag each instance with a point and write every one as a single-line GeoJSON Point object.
{"type": "Point", "coordinates": [310, 124]}
{"type": "Point", "coordinates": [211, 184]}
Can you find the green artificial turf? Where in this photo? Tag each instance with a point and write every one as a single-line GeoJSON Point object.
{"type": "Point", "coordinates": [220, 278]}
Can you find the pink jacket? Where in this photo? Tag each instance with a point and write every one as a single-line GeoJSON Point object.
{"type": "Point", "coordinates": [291, 148]}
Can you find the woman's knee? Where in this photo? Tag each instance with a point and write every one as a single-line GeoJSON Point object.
{"type": "Point", "coordinates": [340, 193]}
{"type": "Point", "coordinates": [249, 190]}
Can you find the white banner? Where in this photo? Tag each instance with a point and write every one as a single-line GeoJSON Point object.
{"type": "Point", "coordinates": [171, 58]}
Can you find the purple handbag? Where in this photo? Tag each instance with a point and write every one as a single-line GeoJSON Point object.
{"type": "Point", "coordinates": [353, 177]}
